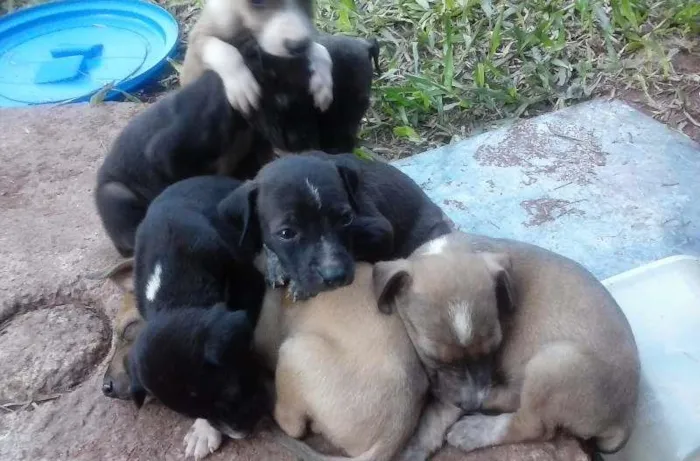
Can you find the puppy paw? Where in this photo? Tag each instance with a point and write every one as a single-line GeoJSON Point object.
{"type": "Point", "coordinates": [478, 431]}
{"type": "Point", "coordinates": [242, 90]}
{"type": "Point", "coordinates": [321, 83]}
{"type": "Point", "coordinates": [201, 440]}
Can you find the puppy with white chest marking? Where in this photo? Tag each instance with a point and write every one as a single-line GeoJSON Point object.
{"type": "Point", "coordinates": [315, 214]}
{"type": "Point", "coordinates": [507, 327]}
{"type": "Point", "coordinates": [343, 368]}
{"type": "Point", "coordinates": [200, 305]}
{"type": "Point", "coordinates": [281, 27]}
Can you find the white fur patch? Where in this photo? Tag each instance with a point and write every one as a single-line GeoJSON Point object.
{"type": "Point", "coordinates": [436, 246]}
{"type": "Point", "coordinates": [202, 439]}
{"type": "Point", "coordinates": [460, 313]}
{"type": "Point", "coordinates": [153, 284]}
{"type": "Point", "coordinates": [314, 193]}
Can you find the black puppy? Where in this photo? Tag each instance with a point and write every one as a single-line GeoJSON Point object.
{"type": "Point", "coordinates": [315, 214]}
{"type": "Point", "coordinates": [287, 116]}
{"type": "Point", "coordinates": [200, 305]}
{"type": "Point", "coordinates": [192, 131]}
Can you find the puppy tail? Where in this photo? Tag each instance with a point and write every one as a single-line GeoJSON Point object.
{"type": "Point", "coordinates": [111, 271]}
{"type": "Point", "coordinates": [374, 53]}
{"type": "Point", "coordinates": [305, 453]}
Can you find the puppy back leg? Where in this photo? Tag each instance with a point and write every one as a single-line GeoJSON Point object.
{"type": "Point", "coordinates": [121, 212]}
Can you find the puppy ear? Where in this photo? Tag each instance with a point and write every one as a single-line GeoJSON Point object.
{"type": "Point", "coordinates": [228, 330]}
{"type": "Point", "coordinates": [390, 279]}
{"type": "Point", "coordinates": [351, 178]}
{"type": "Point", "coordinates": [241, 207]}
{"type": "Point", "coordinates": [500, 266]}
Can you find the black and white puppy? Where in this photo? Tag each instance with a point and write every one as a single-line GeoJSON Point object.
{"type": "Point", "coordinates": [200, 306]}
{"type": "Point", "coordinates": [315, 214]}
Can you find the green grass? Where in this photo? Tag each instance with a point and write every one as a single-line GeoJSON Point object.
{"type": "Point", "coordinates": [453, 66]}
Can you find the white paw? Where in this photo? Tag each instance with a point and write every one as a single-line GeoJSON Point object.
{"type": "Point", "coordinates": [321, 83]}
{"type": "Point", "coordinates": [201, 440]}
{"type": "Point", "coordinates": [478, 431]}
{"type": "Point", "coordinates": [242, 90]}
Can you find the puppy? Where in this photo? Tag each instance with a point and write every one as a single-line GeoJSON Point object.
{"type": "Point", "coordinates": [329, 374]}
{"type": "Point", "coordinates": [565, 356]}
{"type": "Point", "coordinates": [192, 131]}
{"type": "Point", "coordinates": [281, 27]}
{"type": "Point", "coordinates": [128, 324]}
{"type": "Point", "coordinates": [200, 305]}
{"type": "Point", "coordinates": [286, 115]}
{"type": "Point", "coordinates": [316, 214]}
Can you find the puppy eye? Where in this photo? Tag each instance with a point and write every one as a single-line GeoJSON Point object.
{"type": "Point", "coordinates": [257, 3]}
{"type": "Point", "coordinates": [346, 218]}
{"type": "Point", "coordinates": [287, 233]}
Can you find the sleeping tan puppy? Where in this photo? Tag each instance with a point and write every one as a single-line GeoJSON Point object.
{"type": "Point", "coordinates": [344, 368]}
{"type": "Point", "coordinates": [567, 358]}
{"type": "Point", "coordinates": [280, 27]}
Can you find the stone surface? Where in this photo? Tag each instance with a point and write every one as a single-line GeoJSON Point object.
{"type": "Point", "coordinates": [50, 350]}
{"type": "Point", "coordinates": [599, 182]}
{"type": "Point", "coordinates": [49, 239]}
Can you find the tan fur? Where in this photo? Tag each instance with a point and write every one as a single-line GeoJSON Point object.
{"type": "Point", "coordinates": [221, 20]}
{"type": "Point", "coordinates": [568, 356]}
{"type": "Point", "coordinates": [127, 325]}
{"type": "Point", "coordinates": [345, 368]}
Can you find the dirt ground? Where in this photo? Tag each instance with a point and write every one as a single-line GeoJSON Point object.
{"type": "Point", "coordinates": [55, 326]}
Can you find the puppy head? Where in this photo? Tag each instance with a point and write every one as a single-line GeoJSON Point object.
{"type": "Point", "coordinates": [198, 362]}
{"type": "Point", "coordinates": [116, 380]}
{"type": "Point", "coordinates": [451, 303]}
{"type": "Point", "coordinates": [301, 207]}
{"type": "Point", "coordinates": [281, 27]}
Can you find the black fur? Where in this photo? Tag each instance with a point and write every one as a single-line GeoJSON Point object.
{"type": "Point", "coordinates": [369, 211]}
{"type": "Point", "coordinates": [287, 116]}
{"type": "Point", "coordinates": [191, 130]}
{"type": "Point", "coordinates": [183, 135]}
{"type": "Point", "coordinates": [194, 353]}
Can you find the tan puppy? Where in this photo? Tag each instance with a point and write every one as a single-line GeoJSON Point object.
{"type": "Point", "coordinates": [281, 28]}
{"type": "Point", "coordinates": [568, 360]}
{"type": "Point", "coordinates": [343, 367]}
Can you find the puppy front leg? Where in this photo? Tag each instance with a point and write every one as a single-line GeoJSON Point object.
{"type": "Point", "coordinates": [242, 90]}
{"type": "Point", "coordinates": [202, 439]}
{"type": "Point", "coordinates": [436, 419]}
{"type": "Point", "coordinates": [321, 83]}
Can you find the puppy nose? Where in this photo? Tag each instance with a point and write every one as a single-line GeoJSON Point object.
{"type": "Point", "coordinates": [108, 388]}
{"type": "Point", "coordinates": [333, 275]}
{"type": "Point", "coordinates": [297, 47]}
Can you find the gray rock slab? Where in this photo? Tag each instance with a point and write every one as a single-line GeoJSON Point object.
{"type": "Point", "coordinates": [600, 182]}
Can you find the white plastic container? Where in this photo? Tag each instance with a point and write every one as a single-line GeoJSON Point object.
{"type": "Point", "coordinates": [662, 303]}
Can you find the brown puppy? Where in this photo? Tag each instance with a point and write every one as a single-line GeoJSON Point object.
{"type": "Point", "coordinates": [567, 361]}
{"type": "Point", "coordinates": [127, 325]}
{"type": "Point", "coordinates": [281, 27]}
{"type": "Point", "coordinates": [343, 367]}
